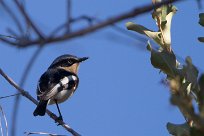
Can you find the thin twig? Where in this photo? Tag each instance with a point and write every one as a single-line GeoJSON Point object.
{"type": "Point", "coordinates": [8, 36]}
{"type": "Point", "coordinates": [69, 17]}
{"type": "Point", "coordinates": [57, 29]}
{"type": "Point", "coordinates": [5, 120]}
{"type": "Point", "coordinates": [83, 18]}
{"type": "Point", "coordinates": [12, 15]}
{"type": "Point", "coordinates": [73, 20]}
{"type": "Point", "coordinates": [11, 32]}
{"type": "Point", "coordinates": [124, 31]}
{"type": "Point", "coordinates": [10, 95]}
{"type": "Point", "coordinates": [28, 96]}
{"type": "Point", "coordinates": [28, 19]}
{"type": "Point", "coordinates": [21, 84]}
{"type": "Point", "coordinates": [1, 128]}
{"type": "Point", "coordinates": [41, 133]}
{"type": "Point", "coordinates": [90, 29]}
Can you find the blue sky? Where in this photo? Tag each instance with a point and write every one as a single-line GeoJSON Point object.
{"type": "Point", "coordinates": [119, 92]}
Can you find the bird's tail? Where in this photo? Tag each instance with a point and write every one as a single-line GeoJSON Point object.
{"type": "Point", "coordinates": [41, 108]}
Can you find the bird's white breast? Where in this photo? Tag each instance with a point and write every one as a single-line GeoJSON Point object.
{"type": "Point", "coordinates": [61, 96]}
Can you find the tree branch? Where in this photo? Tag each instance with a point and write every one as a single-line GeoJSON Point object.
{"type": "Point", "coordinates": [187, 112]}
{"type": "Point", "coordinates": [89, 29]}
{"type": "Point", "coordinates": [28, 96]}
{"type": "Point", "coordinates": [5, 121]}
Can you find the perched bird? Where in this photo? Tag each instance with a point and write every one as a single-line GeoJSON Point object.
{"type": "Point", "coordinates": [58, 83]}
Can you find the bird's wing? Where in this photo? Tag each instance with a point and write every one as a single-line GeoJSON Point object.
{"type": "Point", "coordinates": [54, 81]}
{"type": "Point", "coordinates": [58, 87]}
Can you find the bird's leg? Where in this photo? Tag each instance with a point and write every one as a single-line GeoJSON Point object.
{"type": "Point", "coordinates": [60, 115]}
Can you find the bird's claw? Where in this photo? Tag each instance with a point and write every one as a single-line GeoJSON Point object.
{"type": "Point", "coordinates": [58, 120]}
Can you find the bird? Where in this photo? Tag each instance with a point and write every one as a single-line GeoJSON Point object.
{"type": "Point", "coordinates": [58, 83]}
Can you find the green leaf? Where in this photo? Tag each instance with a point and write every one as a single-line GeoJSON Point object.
{"type": "Point", "coordinates": [191, 74]}
{"type": "Point", "coordinates": [140, 29]}
{"type": "Point", "coordinates": [166, 10]}
{"type": "Point", "coordinates": [143, 30]}
{"type": "Point", "coordinates": [201, 19]}
{"type": "Point", "coordinates": [201, 39]}
{"type": "Point", "coordinates": [161, 13]}
{"type": "Point", "coordinates": [167, 29]}
{"type": "Point", "coordinates": [178, 129]}
{"type": "Point", "coordinates": [163, 16]}
{"type": "Point", "coordinates": [164, 61]}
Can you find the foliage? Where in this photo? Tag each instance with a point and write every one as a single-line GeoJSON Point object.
{"type": "Point", "coordinates": [182, 79]}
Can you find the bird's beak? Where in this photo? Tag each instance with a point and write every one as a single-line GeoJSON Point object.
{"type": "Point", "coordinates": [83, 59]}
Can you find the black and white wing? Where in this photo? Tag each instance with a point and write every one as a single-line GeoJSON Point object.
{"type": "Point", "coordinates": [54, 81]}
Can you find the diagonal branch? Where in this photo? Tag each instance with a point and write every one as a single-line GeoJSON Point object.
{"type": "Point", "coordinates": [28, 96]}
{"type": "Point", "coordinates": [90, 29]}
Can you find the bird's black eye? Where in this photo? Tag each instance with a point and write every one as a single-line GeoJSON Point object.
{"type": "Point", "coordinates": [70, 61]}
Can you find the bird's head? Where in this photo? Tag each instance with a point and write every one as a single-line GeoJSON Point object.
{"type": "Point", "coordinates": [67, 62]}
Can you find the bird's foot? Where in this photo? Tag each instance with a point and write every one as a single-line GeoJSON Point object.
{"type": "Point", "coordinates": [59, 120]}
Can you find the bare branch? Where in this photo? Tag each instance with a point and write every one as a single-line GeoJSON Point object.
{"type": "Point", "coordinates": [73, 20]}
{"type": "Point", "coordinates": [69, 18]}
{"type": "Point", "coordinates": [28, 96]}
{"type": "Point", "coordinates": [5, 120]}
{"type": "Point", "coordinates": [8, 36]}
{"type": "Point", "coordinates": [89, 29]}
{"type": "Point", "coordinates": [41, 133]}
{"type": "Point", "coordinates": [11, 32]}
{"type": "Point", "coordinates": [1, 128]}
{"type": "Point", "coordinates": [123, 31]}
{"type": "Point", "coordinates": [10, 95]}
{"type": "Point", "coordinates": [85, 18]}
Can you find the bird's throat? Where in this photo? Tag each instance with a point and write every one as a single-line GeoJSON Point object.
{"type": "Point", "coordinates": [73, 68]}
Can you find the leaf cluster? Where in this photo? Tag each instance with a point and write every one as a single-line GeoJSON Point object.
{"type": "Point", "coordinates": [185, 87]}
